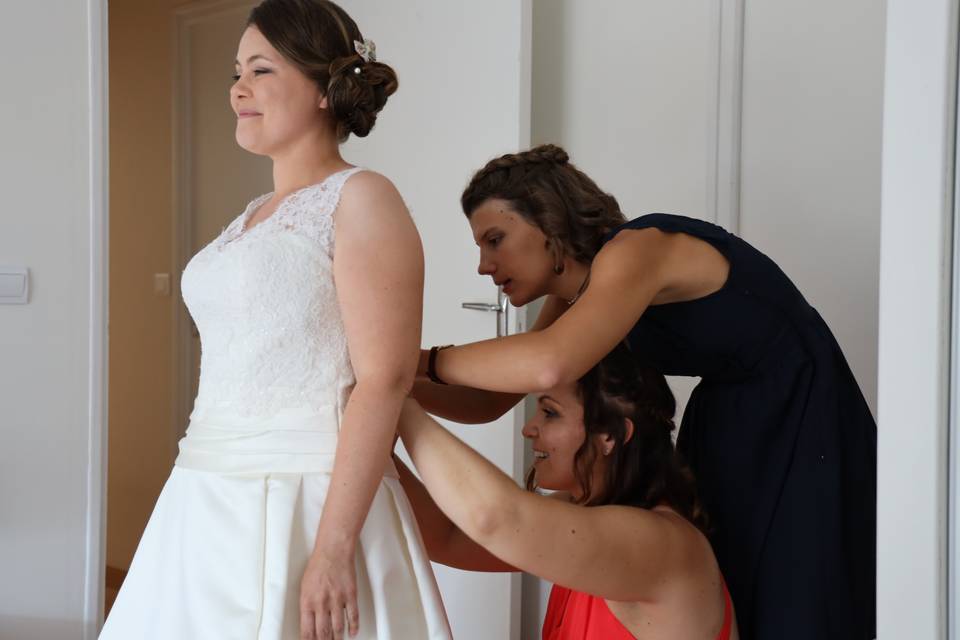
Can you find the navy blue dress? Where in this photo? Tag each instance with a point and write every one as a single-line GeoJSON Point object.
{"type": "Point", "coordinates": [781, 441]}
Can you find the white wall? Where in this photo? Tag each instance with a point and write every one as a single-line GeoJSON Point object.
{"type": "Point", "coordinates": [918, 206]}
{"type": "Point", "coordinates": [623, 90]}
{"type": "Point", "coordinates": [46, 125]}
{"type": "Point", "coordinates": [626, 91]}
{"type": "Point", "coordinates": [811, 133]}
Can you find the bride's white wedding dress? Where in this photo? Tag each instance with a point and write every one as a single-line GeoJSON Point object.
{"type": "Point", "coordinates": [229, 538]}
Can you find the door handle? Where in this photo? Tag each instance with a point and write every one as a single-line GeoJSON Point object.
{"type": "Point", "coordinates": [482, 306]}
{"type": "Point", "coordinates": [501, 308]}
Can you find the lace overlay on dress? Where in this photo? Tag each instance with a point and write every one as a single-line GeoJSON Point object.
{"type": "Point", "coordinates": [266, 307]}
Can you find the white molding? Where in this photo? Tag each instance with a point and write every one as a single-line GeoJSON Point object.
{"type": "Point", "coordinates": [185, 17]}
{"type": "Point", "coordinates": [99, 190]}
{"type": "Point", "coordinates": [515, 317]}
{"type": "Point", "coordinates": [724, 115]}
{"type": "Point", "coordinates": [525, 106]}
{"type": "Point", "coordinates": [953, 428]}
{"type": "Point", "coordinates": [917, 209]}
{"type": "Point", "coordinates": [953, 425]}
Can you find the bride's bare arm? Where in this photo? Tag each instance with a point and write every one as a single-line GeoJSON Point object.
{"type": "Point", "coordinates": [378, 271]}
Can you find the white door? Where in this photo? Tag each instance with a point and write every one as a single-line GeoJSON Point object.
{"type": "Point", "coordinates": [463, 98]}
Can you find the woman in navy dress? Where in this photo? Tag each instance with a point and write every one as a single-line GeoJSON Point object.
{"type": "Point", "coordinates": [777, 432]}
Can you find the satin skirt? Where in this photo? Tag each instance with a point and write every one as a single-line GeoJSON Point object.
{"type": "Point", "coordinates": [226, 546]}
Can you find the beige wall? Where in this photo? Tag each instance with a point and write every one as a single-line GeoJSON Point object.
{"type": "Point", "coordinates": [141, 448]}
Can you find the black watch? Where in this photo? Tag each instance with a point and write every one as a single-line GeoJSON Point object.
{"type": "Point", "coordinates": [432, 364]}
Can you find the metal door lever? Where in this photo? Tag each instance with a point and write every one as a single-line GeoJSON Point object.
{"type": "Point", "coordinates": [501, 308]}
{"type": "Point", "coordinates": [482, 306]}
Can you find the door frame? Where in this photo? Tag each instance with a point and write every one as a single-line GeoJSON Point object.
{"type": "Point", "coordinates": [98, 343]}
{"type": "Point", "coordinates": [724, 114]}
{"type": "Point", "coordinates": [917, 212]}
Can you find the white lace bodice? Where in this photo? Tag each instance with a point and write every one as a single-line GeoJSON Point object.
{"type": "Point", "coordinates": [266, 307]}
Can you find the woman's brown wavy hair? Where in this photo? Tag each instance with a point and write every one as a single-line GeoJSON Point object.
{"type": "Point", "coordinates": [645, 470]}
{"type": "Point", "coordinates": [544, 187]}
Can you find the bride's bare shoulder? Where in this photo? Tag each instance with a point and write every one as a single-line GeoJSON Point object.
{"type": "Point", "coordinates": [370, 190]}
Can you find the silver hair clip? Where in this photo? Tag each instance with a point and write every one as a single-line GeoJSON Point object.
{"type": "Point", "coordinates": [367, 49]}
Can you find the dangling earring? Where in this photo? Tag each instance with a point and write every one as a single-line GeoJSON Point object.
{"type": "Point", "coordinates": [557, 252]}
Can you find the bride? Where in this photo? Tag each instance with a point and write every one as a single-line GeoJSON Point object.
{"type": "Point", "coordinates": [283, 516]}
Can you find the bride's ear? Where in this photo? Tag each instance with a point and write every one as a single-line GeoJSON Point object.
{"type": "Point", "coordinates": [323, 104]}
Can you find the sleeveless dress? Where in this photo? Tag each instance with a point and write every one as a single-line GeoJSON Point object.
{"type": "Point", "coordinates": [226, 546]}
{"type": "Point", "coordinates": [573, 615]}
{"type": "Point", "coordinates": [781, 442]}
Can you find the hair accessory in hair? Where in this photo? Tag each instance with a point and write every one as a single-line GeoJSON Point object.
{"type": "Point", "coordinates": [367, 49]}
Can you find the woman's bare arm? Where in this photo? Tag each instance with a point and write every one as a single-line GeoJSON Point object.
{"type": "Point", "coordinates": [445, 542]}
{"type": "Point", "coordinates": [626, 276]}
{"type": "Point", "coordinates": [468, 405]}
{"type": "Point", "coordinates": [618, 553]}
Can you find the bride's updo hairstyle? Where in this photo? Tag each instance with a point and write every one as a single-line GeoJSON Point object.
{"type": "Point", "coordinates": [320, 39]}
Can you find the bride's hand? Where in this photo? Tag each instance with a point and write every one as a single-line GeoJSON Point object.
{"type": "Point", "coordinates": [327, 591]}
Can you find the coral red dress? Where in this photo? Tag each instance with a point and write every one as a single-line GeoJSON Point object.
{"type": "Point", "coordinates": [572, 615]}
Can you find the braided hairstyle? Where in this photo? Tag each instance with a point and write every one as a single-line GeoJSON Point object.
{"type": "Point", "coordinates": [317, 37]}
{"type": "Point", "coordinates": [551, 193]}
{"type": "Point", "coordinates": [645, 470]}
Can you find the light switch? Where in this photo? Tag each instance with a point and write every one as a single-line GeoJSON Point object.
{"type": "Point", "coordinates": [14, 285]}
{"type": "Point", "coordinates": [161, 284]}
